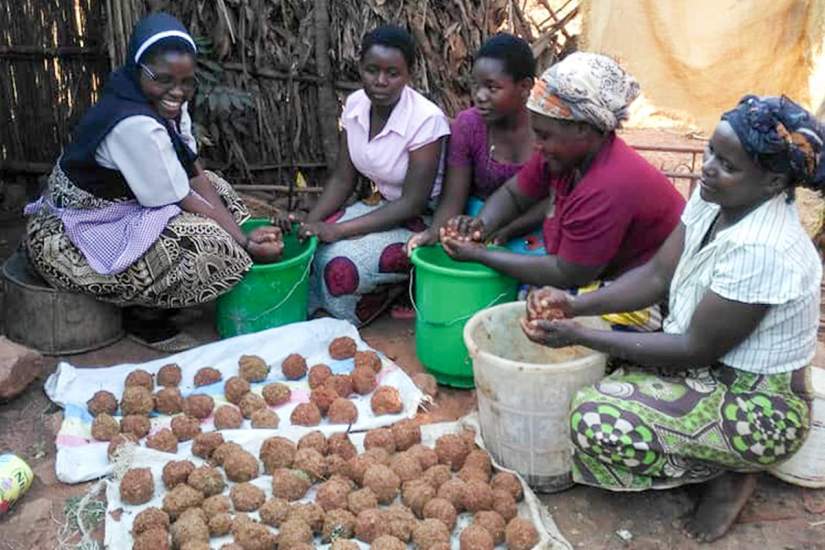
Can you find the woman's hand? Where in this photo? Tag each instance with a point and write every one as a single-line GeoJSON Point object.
{"type": "Point", "coordinates": [326, 232]}
{"type": "Point", "coordinates": [548, 304]}
{"type": "Point", "coordinates": [463, 251]}
{"type": "Point", "coordinates": [265, 244]}
{"type": "Point", "coordinates": [424, 238]}
{"type": "Point", "coordinates": [285, 220]}
{"type": "Point", "coordinates": [553, 334]}
{"type": "Point", "coordinates": [501, 236]}
{"type": "Point", "coordinates": [463, 227]}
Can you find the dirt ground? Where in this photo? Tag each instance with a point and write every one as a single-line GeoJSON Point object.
{"type": "Point", "coordinates": [779, 516]}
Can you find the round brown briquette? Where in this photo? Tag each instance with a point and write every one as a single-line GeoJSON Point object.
{"type": "Point", "coordinates": [140, 377]}
{"type": "Point", "coordinates": [294, 366]}
{"type": "Point", "coordinates": [508, 482]}
{"type": "Point", "coordinates": [176, 472]}
{"type": "Point", "coordinates": [308, 512]}
{"type": "Point", "coordinates": [276, 394]}
{"type": "Point", "coordinates": [358, 465]}
{"type": "Point", "coordinates": [521, 534]}
{"type": "Point", "coordinates": [250, 403]}
{"type": "Point", "coordinates": [137, 486]}
{"type": "Point", "coordinates": [216, 504]}
{"type": "Point", "coordinates": [406, 434]}
{"type": "Point", "coordinates": [388, 542]}
{"type": "Point", "coordinates": [204, 444]}
{"type": "Point", "coordinates": [235, 388]}
{"type": "Point", "coordinates": [338, 523]}
{"type": "Point", "coordinates": [380, 437]}
{"type": "Point", "coordinates": [220, 524]}
{"type": "Point", "coordinates": [168, 401]}
{"type": "Point", "coordinates": [312, 462]}
{"type": "Point", "coordinates": [336, 465]}
{"type": "Point", "coordinates": [136, 400]}
{"type": "Point", "coordinates": [416, 494]}
{"type": "Point", "coordinates": [478, 496]}
{"type": "Point", "coordinates": [185, 427]}
{"type": "Point", "coordinates": [149, 518]}
{"type": "Point", "coordinates": [247, 497]}
{"type": "Point", "coordinates": [198, 405]}
{"type": "Point", "coordinates": [342, 411]}
{"type": "Point", "coordinates": [136, 425]}
{"type": "Point", "coordinates": [155, 538]}
{"type": "Point", "coordinates": [383, 482]}
{"type": "Point", "coordinates": [469, 473]}
{"type": "Point", "coordinates": [189, 528]}
{"type": "Point", "coordinates": [430, 532]}
{"type": "Point", "coordinates": [440, 508]}
{"type": "Point", "coordinates": [318, 374]}
{"type": "Point", "coordinates": [341, 383]}
{"type": "Point", "coordinates": [163, 440]}
{"type": "Point", "coordinates": [386, 400]}
{"type": "Point", "coordinates": [223, 450]}
{"type": "Point", "coordinates": [206, 376]}
{"type": "Point", "coordinates": [305, 414]}
{"type": "Point", "coordinates": [340, 444]}
{"type": "Point", "coordinates": [493, 522]}
{"type": "Point", "coordinates": [314, 440]}
{"type": "Point", "coordinates": [118, 441]}
{"type": "Point", "coordinates": [368, 359]}
{"type": "Point", "coordinates": [227, 417]}
{"type": "Point", "coordinates": [277, 452]}
{"type": "Point", "coordinates": [207, 480]}
{"type": "Point", "coordinates": [479, 459]}
{"type": "Point", "coordinates": [452, 450]}
{"type": "Point", "coordinates": [332, 494]}
{"type": "Point", "coordinates": [323, 396]}
{"type": "Point", "coordinates": [364, 380]}
{"type": "Point", "coordinates": [274, 511]}
{"type": "Point", "coordinates": [425, 455]}
{"type": "Point", "coordinates": [504, 504]}
{"type": "Point", "coordinates": [252, 368]}
{"type": "Point", "coordinates": [342, 348]}
{"type": "Point", "coordinates": [453, 490]}
{"type": "Point", "coordinates": [240, 466]}
{"type": "Point", "coordinates": [290, 484]}
{"type": "Point", "coordinates": [474, 537]}
{"type": "Point", "coordinates": [426, 383]}
{"type": "Point", "coordinates": [105, 427]}
{"type": "Point", "coordinates": [370, 524]}
{"type": "Point", "coordinates": [437, 475]}
{"type": "Point", "coordinates": [400, 521]}
{"type": "Point", "coordinates": [360, 500]}
{"type": "Point", "coordinates": [379, 454]}
{"type": "Point", "coordinates": [169, 375]}
{"type": "Point", "coordinates": [102, 402]}
{"type": "Point", "coordinates": [406, 466]}
{"type": "Point", "coordinates": [250, 535]}
{"type": "Point", "coordinates": [294, 532]}
{"type": "Point", "coordinates": [265, 419]}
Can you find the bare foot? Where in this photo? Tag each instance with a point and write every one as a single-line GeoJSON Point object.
{"type": "Point", "coordinates": [719, 505]}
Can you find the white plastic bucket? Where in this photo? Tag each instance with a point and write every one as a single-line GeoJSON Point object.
{"type": "Point", "coordinates": [524, 392]}
{"type": "Point", "coordinates": [807, 466]}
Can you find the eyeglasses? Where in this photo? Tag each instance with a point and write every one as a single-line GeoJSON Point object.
{"type": "Point", "coordinates": [168, 81]}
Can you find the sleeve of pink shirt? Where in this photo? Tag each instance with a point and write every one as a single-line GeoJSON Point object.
{"type": "Point", "coordinates": [432, 128]}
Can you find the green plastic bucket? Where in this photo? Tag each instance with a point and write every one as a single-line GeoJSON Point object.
{"type": "Point", "coordinates": [447, 294]}
{"type": "Point", "coordinates": [269, 295]}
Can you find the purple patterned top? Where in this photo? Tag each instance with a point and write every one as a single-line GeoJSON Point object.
{"type": "Point", "coordinates": [469, 147]}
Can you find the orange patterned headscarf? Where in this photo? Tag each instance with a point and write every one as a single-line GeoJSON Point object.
{"type": "Point", "coordinates": [585, 86]}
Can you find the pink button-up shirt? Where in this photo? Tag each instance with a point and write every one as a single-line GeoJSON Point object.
{"type": "Point", "coordinates": [415, 122]}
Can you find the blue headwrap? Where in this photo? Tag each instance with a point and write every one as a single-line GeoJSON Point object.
{"type": "Point", "coordinates": [782, 137]}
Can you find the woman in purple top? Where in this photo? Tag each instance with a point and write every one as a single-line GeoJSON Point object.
{"type": "Point", "coordinates": [490, 142]}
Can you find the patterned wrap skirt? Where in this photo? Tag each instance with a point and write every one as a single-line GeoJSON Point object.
{"type": "Point", "coordinates": [643, 429]}
{"type": "Point", "coordinates": [192, 262]}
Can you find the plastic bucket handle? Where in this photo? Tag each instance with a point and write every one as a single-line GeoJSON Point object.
{"type": "Point", "coordinates": [446, 323]}
{"type": "Point", "coordinates": [279, 304]}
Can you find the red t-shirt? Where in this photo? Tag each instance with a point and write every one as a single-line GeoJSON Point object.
{"type": "Point", "coordinates": [618, 214]}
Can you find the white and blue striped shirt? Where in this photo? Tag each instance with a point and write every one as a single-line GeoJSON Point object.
{"type": "Point", "coordinates": [766, 258]}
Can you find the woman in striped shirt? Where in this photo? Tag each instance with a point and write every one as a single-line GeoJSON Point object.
{"type": "Point", "coordinates": [724, 391]}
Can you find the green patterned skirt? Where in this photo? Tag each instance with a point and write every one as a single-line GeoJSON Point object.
{"type": "Point", "coordinates": [650, 429]}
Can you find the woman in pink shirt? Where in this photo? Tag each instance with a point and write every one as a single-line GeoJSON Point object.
{"type": "Point", "coordinates": [394, 136]}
